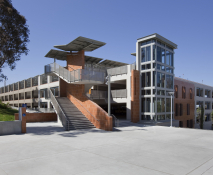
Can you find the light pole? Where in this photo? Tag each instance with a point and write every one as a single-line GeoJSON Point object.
{"type": "Point", "coordinates": [171, 94]}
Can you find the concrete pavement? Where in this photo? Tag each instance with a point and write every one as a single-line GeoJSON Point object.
{"type": "Point", "coordinates": [48, 149]}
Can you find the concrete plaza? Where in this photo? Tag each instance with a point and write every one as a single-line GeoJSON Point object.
{"type": "Point", "coordinates": [48, 149]}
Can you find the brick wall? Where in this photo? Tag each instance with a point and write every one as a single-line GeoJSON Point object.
{"type": "Point", "coordinates": [75, 60]}
{"type": "Point", "coordinates": [77, 97]}
{"type": "Point", "coordinates": [135, 96]}
{"type": "Point", "coordinates": [184, 102]}
{"type": "Point", "coordinates": [38, 117]}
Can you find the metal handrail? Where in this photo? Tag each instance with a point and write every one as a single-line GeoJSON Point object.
{"type": "Point", "coordinates": [85, 108]}
{"type": "Point", "coordinates": [52, 97]}
{"type": "Point", "coordinates": [72, 68]}
{"type": "Point", "coordinates": [116, 120]}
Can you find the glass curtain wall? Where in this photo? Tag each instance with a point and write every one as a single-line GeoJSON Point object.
{"type": "Point", "coordinates": [157, 79]}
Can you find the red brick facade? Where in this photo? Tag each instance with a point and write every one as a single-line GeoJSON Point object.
{"type": "Point", "coordinates": [182, 101]}
{"type": "Point", "coordinates": [76, 94]}
{"type": "Point", "coordinates": [135, 96]}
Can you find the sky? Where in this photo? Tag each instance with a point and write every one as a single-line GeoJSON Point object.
{"type": "Point", "coordinates": [118, 23]}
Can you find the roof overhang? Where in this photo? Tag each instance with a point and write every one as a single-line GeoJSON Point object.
{"type": "Point", "coordinates": [133, 54]}
{"type": "Point", "coordinates": [110, 63]}
{"type": "Point", "coordinates": [57, 54]}
{"type": "Point", "coordinates": [159, 37]}
{"type": "Point", "coordinates": [61, 55]}
{"type": "Point", "coordinates": [81, 43]}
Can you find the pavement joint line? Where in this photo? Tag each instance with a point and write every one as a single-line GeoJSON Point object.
{"type": "Point", "coordinates": [3, 170]}
{"type": "Point", "coordinates": [200, 166]}
{"type": "Point", "coordinates": [37, 157]}
{"type": "Point", "coordinates": [129, 163]}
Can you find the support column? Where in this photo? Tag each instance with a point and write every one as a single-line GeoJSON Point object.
{"type": "Point", "coordinates": [128, 88]}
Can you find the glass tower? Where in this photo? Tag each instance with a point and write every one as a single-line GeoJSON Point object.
{"type": "Point", "coordinates": [155, 61]}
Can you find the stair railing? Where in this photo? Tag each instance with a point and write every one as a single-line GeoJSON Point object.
{"type": "Point", "coordinates": [84, 108]}
{"type": "Point", "coordinates": [115, 121]}
{"type": "Point", "coordinates": [62, 116]}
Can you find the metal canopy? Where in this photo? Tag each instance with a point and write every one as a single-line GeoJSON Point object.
{"type": "Point", "coordinates": [110, 63]}
{"type": "Point", "coordinates": [81, 43]}
{"type": "Point", "coordinates": [61, 55]}
{"type": "Point", "coordinates": [92, 60]}
{"type": "Point", "coordinates": [57, 54]}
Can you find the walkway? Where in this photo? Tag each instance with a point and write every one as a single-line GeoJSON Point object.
{"type": "Point", "coordinates": [48, 149]}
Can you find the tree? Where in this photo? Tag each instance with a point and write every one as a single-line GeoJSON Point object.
{"type": "Point", "coordinates": [14, 36]}
{"type": "Point", "coordinates": [200, 114]}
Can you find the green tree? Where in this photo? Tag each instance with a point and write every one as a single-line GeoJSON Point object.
{"type": "Point", "coordinates": [14, 36]}
{"type": "Point", "coordinates": [201, 117]}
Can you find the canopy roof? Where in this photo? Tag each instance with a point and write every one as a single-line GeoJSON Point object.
{"type": "Point", "coordinates": [61, 55]}
{"type": "Point", "coordinates": [81, 43]}
{"type": "Point", "coordinates": [110, 63]}
{"type": "Point", "coordinates": [57, 54]}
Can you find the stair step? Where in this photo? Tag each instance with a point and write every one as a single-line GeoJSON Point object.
{"type": "Point", "coordinates": [75, 117]}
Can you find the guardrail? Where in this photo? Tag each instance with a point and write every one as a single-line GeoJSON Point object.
{"type": "Point", "coordinates": [59, 111]}
{"type": "Point", "coordinates": [75, 75]}
{"type": "Point", "coordinates": [117, 70]}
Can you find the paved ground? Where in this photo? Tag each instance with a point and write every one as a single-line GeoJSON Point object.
{"type": "Point", "coordinates": [47, 149]}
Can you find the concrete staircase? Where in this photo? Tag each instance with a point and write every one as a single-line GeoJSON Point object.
{"type": "Point", "coordinates": [76, 119]}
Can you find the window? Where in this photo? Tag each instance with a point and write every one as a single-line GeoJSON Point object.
{"type": "Point", "coordinates": [146, 79]}
{"type": "Point", "coordinates": [145, 105]}
{"type": "Point", "coordinates": [145, 66]}
{"type": "Point", "coordinates": [176, 91]}
{"type": "Point", "coordinates": [207, 105]}
{"type": "Point", "coordinates": [190, 92]}
{"type": "Point", "coordinates": [199, 92]}
{"type": "Point", "coordinates": [160, 79]}
{"type": "Point", "coordinates": [154, 51]}
{"type": "Point", "coordinates": [207, 117]}
{"type": "Point", "coordinates": [145, 117]}
{"type": "Point", "coordinates": [154, 78]}
{"type": "Point", "coordinates": [176, 109]}
{"type": "Point", "coordinates": [169, 81]}
{"type": "Point", "coordinates": [168, 105]}
{"type": "Point", "coordinates": [160, 92]}
{"type": "Point", "coordinates": [207, 93]}
{"type": "Point", "coordinates": [188, 109]}
{"type": "Point", "coordinates": [159, 58]}
{"type": "Point", "coordinates": [154, 104]}
{"type": "Point", "coordinates": [183, 92]}
{"type": "Point", "coordinates": [160, 117]}
{"type": "Point", "coordinates": [160, 105]}
{"type": "Point", "coordinates": [160, 67]}
{"type": "Point", "coordinates": [163, 55]}
{"type": "Point", "coordinates": [146, 54]}
{"type": "Point", "coordinates": [181, 109]}
{"type": "Point", "coordinates": [169, 70]}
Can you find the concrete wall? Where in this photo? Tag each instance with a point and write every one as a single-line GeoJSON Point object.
{"type": "Point", "coordinates": [10, 127]}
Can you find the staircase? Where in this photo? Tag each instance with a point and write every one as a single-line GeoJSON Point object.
{"type": "Point", "coordinates": [75, 118]}
{"type": "Point", "coordinates": [79, 76]}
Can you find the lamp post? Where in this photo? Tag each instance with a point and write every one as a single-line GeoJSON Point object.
{"type": "Point", "coordinates": [171, 94]}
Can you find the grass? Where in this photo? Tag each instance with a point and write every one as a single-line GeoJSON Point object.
{"type": "Point", "coordinates": [7, 114]}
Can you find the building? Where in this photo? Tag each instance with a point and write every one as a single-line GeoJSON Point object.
{"type": "Point", "coordinates": [191, 96]}
{"type": "Point", "coordinates": [184, 103]}
{"type": "Point", "coordinates": [33, 92]}
{"type": "Point", "coordinates": [139, 91]}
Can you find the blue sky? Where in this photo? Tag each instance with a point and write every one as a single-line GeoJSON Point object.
{"type": "Point", "coordinates": [119, 23]}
